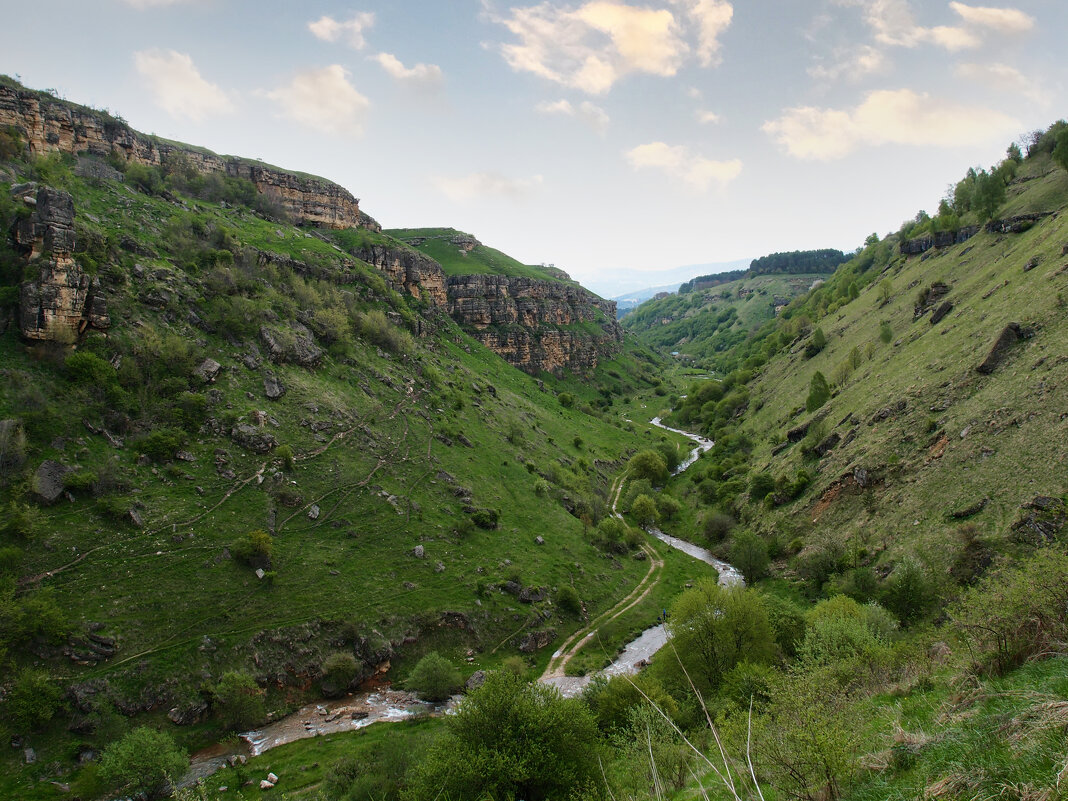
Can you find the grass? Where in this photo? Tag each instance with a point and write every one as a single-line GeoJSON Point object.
{"type": "Point", "coordinates": [479, 260]}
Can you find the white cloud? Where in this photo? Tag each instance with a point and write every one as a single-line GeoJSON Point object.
{"type": "Point", "coordinates": [852, 64]}
{"type": "Point", "coordinates": [177, 86]}
{"type": "Point", "coordinates": [593, 116]}
{"type": "Point", "coordinates": [712, 18]}
{"type": "Point", "coordinates": [707, 117]}
{"type": "Point", "coordinates": [323, 99]}
{"type": "Point", "coordinates": [1003, 77]}
{"type": "Point", "coordinates": [351, 32]}
{"type": "Point", "coordinates": [423, 74]}
{"type": "Point", "coordinates": [485, 184]}
{"type": "Point", "coordinates": [900, 117]}
{"type": "Point", "coordinates": [596, 43]}
{"type": "Point", "coordinates": [680, 163]}
{"type": "Point", "coordinates": [1002, 20]}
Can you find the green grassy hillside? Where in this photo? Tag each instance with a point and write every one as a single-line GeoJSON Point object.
{"type": "Point", "coordinates": [461, 254]}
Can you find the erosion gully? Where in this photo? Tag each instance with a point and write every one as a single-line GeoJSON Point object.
{"type": "Point", "coordinates": [388, 705]}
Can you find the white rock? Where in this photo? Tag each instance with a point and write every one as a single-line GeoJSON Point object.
{"type": "Point", "coordinates": [266, 785]}
{"type": "Point", "coordinates": [259, 573]}
{"type": "Point", "coordinates": [272, 778]}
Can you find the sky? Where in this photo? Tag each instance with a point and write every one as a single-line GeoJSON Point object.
{"type": "Point", "coordinates": [601, 136]}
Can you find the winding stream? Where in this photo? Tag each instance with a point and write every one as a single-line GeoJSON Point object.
{"type": "Point", "coordinates": [363, 709]}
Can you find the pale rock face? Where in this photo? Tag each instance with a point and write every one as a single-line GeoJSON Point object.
{"type": "Point", "coordinates": [54, 125]}
{"type": "Point", "coordinates": [63, 302]}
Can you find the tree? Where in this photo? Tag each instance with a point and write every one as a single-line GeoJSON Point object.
{"type": "Point", "coordinates": [435, 678]}
{"type": "Point", "coordinates": [567, 598]}
{"type": "Point", "coordinates": [239, 700]}
{"type": "Point", "coordinates": [648, 465]}
{"type": "Point", "coordinates": [713, 628]}
{"type": "Point", "coordinates": [144, 761]}
{"type": "Point", "coordinates": [1013, 153]}
{"type": "Point", "coordinates": [818, 392]}
{"type": "Point", "coordinates": [886, 291]}
{"type": "Point", "coordinates": [909, 592]}
{"type": "Point", "coordinates": [749, 553]}
{"type": "Point", "coordinates": [1060, 148]}
{"type": "Point", "coordinates": [339, 669]}
{"type": "Point", "coordinates": [989, 194]}
{"type": "Point", "coordinates": [644, 511]}
{"type": "Point", "coordinates": [32, 701]}
{"type": "Point", "coordinates": [510, 739]}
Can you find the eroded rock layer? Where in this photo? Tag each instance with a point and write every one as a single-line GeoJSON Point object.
{"type": "Point", "coordinates": [49, 125]}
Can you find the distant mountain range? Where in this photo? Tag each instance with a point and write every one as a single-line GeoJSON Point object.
{"type": "Point", "coordinates": [626, 284]}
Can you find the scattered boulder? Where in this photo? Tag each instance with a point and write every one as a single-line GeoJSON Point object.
{"type": "Point", "coordinates": [188, 714]}
{"type": "Point", "coordinates": [970, 510]}
{"type": "Point", "coordinates": [536, 640]}
{"type": "Point", "coordinates": [1031, 264]}
{"type": "Point", "coordinates": [940, 313]}
{"type": "Point", "coordinates": [48, 481]}
{"type": "Point", "coordinates": [827, 444]}
{"type": "Point", "coordinates": [208, 371]}
{"type": "Point", "coordinates": [476, 680]}
{"type": "Point", "coordinates": [539, 540]}
{"type": "Point", "coordinates": [272, 778]}
{"type": "Point", "coordinates": [255, 439]}
{"type": "Point", "coordinates": [273, 388]}
{"type": "Point", "coordinates": [1011, 334]}
{"type": "Point", "coordinates": [418, 552]}
{"type": "Point", "coordinates": [1041, 520]}
{"type": "Point", "coordinates": [532, 595]}
{"type": "Point", "coordinates": [313, 512]}
{"type": "Point", "coordinates": [29, 755]}
{"type": "Point", "coordinates": [266, 785]}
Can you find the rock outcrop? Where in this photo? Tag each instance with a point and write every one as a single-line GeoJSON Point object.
{"type": "Point", "coordinates": [408, 270]}
{"type": "Point", "coordinates": [62, 302]}
{"type": "Point", "coordinates": [49, 124]}
{"type": "Point", "coordinates": [536, 325]}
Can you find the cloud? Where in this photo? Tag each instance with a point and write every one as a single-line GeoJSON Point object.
{"type": "Point", "coordinates": [153, 3]}
{"type": "Point", "coordinates": [901, 117]}
{"type": "Point", "coordinates": [422, 74]}
{"type": "Point", "coordinates": [852, 64]}
{"type": "Point", "coordinates": [712, 18]}
{"type": "Point", "coordinates": [894, 24]}
{"type": "Point", "coordinates": [485, 184]}
{"type": "Point", "coordinates": [593, 116]}
{"type": "Point", "coordinates": [1003, 77]}
{"type": "Point", "coordinates": [177, 86]}
{"type": "Point", "coordinates": [351, 32]}
{"type": "Point", "coordinates": [680, 163]}
{"type": "Point", "coordinates": [1002, 20]}
{"type": "Point", "coordinates": [707, 117]}
{"type": "Point", "coordinates": [323, 99]}
{"type": "Point", "coordinates": [591, 46]}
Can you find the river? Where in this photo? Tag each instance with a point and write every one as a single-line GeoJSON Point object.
{"type": "Point", "coordinates": [363, 709]}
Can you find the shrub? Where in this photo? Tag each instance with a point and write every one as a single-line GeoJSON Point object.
{"type": "Point", "coordinates": [144, 761]}
{"type": "Point", "coordinates": [567, 598]}
{"type": "Point", "coordinates": [435, 678]}
{"type": "Point", "coordinates": [749, 553]}
{"type": "Point", "coordinates": [667, 507]}
{"type": "Point", "coordinates": [717, 525]}
{"type": "Point", "coordinates": [285, 453]}
{"type": "Point", "coordinates": [818, 392]}
{"type": "Point", "coordinates": [161, 444]}
{"type": "Point", "coordinates": [239, 701]}
{"type": "Point", "coordinates": [611, 699]}
{"type": "Point", "coordinates": [254, 549]}
{"type": "Point", "coordinates": [648, 465]}
{"type": "Point", "coordinates": [32, 701]}
{"type": "Point", "coordinates": [21, 520]}
{"type": "Point", "coordinates": [485, 518]}
{"type": "Point", "coordinates": [644, 511]}
{"type": "Point", "coordinates": [909, 591]}
{"type": "Point", "coordinates": [566, 399]}
{"type": "Point", "coordinates": [339, 671]}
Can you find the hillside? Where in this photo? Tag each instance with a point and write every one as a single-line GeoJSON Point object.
{"type": "Point", "coordinates": [462, 254]}
{"type": "Point", "coordinates": [703, 322]}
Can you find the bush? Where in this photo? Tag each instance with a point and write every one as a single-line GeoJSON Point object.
{"type": "Point", "coordinates": [239, 701]}
{"type": "Point", "coordinates": [161, 445]}
{"type": "Point", "coordinates": [485, 518]}
{"type": "Point", "coordinates": [511, 739]}
{"type": "Point", "coordinates": [717, 525]}
{"type": "Point", "coordinates": [144, 761]}
{"type": "Point", "coordinates": [254, 549]}
{"type": "Point", "coordinates": [749, 553]}
{"type": "Point", "coordinates": [285, 453]}
{"type": "Point", "coordinates": [566, 399]}
{"type": "Point", "coordinates": [668, 507]}
{"type": "Point", "coordinates": [819, 391]}
{"type": "Point", "coordinates": [567, 598]}
{"type": "Point", "coordinates": [611, 699]}
{"type": "Point", "coordinates": [648, 465]}
{"type": "Point", "coordinates": [644, 511]}
{"type": "Point", "coordinates": [339, 671]}
{"type": "Point", "coordinates": [32, 701]}
{"type": "Point", "coordinates": [435, 678]}
{"type": "Point", "coordinates": [909, 591]}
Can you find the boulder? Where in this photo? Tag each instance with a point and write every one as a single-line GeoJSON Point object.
{"type": "Point", "coordinates": [273, 388]}
{"type": "Point", "coordinates": [418, 551]}
{"type": "Point", "coordinates": [941, 312]}
{"type": "Point", "coordinates": [208, 371]}
{"type": "Point", "coordinates": [313, 512]}
{"type": "Point", "coordinates": [476, 680]}
{"type": "Point", "coordinates": [531, 595]}
{"type": "Point", "coordinates": [48, 481]}
{"type": "Point", "coordinates": [255, 439]}
{"type": "Point", "coordinates": [1009, 336]}
{"type": "Point", "coordinates": [536, 640]}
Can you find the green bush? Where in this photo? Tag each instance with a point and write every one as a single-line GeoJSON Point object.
{"type": "Point", "coordinates": [144, 761]}
{"type": "Point", "coordinates": [435, 678]}
{"type": "Point", "coordinates": [32, 701]}
{"type": "Point", "coordinates": [285, 453]}
{"type": "Point", "coordinates": [239, 701]}
{"type": "Point", "coordinates": [566, 399]}
{"type": "Point", "coordinates": [161, 444]}
{"type": "Point", "coordinates": [567, 598]}
{"type": "Point", "coordinates": [819, 391]}
{"type": "Point", "coordinates": [339, 671]}
{"type": "Point", "coordinates": [749, 553]}
{"type": "Point", "coordinates": [485, 518]}
{"type": "Point", "coordinates": [644, 511]}
{"type": "Point", "coordinates": [254, 549]}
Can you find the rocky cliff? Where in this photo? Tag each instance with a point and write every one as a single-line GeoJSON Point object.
{"type": "Point", "coordinates": [408, 270]}
{"type": "Point", "coordinates": [536, 325]}
{"type": "Point", "coordinates": [49, 124]}
{"type": "Point", "coordinates": [63, 301]}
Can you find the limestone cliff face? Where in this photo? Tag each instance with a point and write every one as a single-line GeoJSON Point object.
{"type": "Point", "coordinates": [63, 301]}
{"type": "Point", "coordinates": [55, 125]}
{"type": "Point", "coordinates": [408, 270]}
{"type": "Point", "coordinates": [535, 325]}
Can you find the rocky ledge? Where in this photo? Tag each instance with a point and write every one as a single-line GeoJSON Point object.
{"type": "Point", "coordinates": [49, 124]}
{"type": "Point", "coordinates": [536, 325]}
{"type": "Point", "coordinates": [63, 301]}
